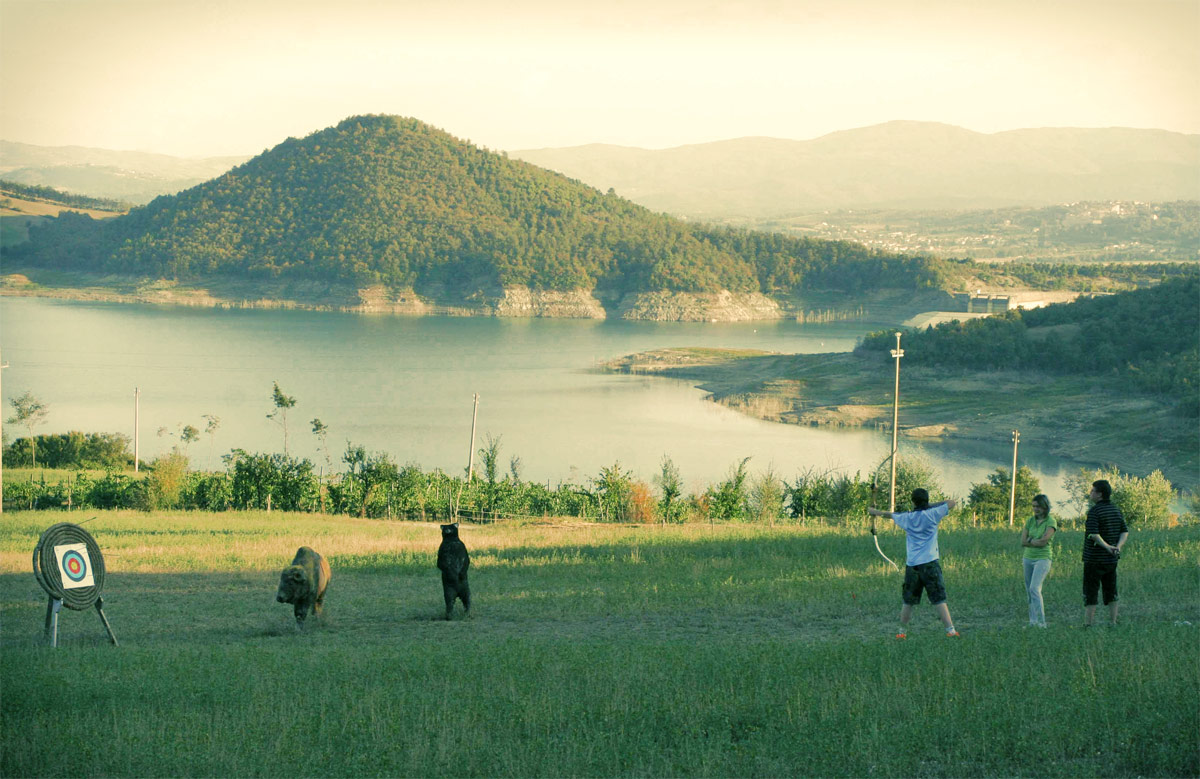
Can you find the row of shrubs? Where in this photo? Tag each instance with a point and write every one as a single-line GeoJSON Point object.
{"type": "Point", "coordinates": [372, 485]}
{"type": "Point", "coordinates": [72, 449]}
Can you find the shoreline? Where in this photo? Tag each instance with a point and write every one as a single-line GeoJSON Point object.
{"type": "Point", "coordinates": [1071, 418]}
{"type": "Point", "coordinates": [509, 302]}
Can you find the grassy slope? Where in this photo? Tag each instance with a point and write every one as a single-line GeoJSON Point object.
{"type": "Point", "coordinates": [593, 650]}
{"type": "Point", "coordinates": [1077, 418]}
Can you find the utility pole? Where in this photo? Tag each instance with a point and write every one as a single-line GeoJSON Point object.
{"type": "Point", "coordinates": [136, 411]}
{"type": "Point", "coordinates": [896, 353]}
{"type": "Point", "coordinates": [3, 365]}
{"type": "Point", "coordinates": [471, 459]}
{"type": "Point", "coordinates": [1012, 495]}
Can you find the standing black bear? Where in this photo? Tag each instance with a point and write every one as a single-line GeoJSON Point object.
{"type": "Point", "coordinates": [303, 583]}
{"type": "Point", "coordinates": [453, 561]}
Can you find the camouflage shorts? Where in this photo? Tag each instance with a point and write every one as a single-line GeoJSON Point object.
{"type": "Point", "coordinates": [927, 577]}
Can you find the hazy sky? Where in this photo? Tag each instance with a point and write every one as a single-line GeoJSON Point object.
{"type": "Point", "coordinates": [207, 77]}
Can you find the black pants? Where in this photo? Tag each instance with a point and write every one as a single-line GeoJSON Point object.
{"type": "Point", "coordinates": [1097, 575]}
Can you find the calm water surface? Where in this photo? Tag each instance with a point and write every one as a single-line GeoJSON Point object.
{"type": "Point", "coordinates": [405, 385]}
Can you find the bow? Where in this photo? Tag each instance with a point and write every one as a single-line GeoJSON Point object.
{"type": "Point", "coordinates": [874, 533]}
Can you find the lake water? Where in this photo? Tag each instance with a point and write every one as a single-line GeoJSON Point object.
{"type": "Point", "coordinates": [405, 385]}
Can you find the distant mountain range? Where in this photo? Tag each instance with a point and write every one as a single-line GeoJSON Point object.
{"type": "Point", "coordinates": [390, 201]}
{"type": "Point", "coordinates": [128, 176]}
{"type": "Point", "coordinates": [897, 165]}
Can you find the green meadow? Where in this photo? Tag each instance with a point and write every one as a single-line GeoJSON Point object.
{"type": "Point", "coordinates": [591, 650]}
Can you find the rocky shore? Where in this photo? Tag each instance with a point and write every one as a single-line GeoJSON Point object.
{"type": "Point", "coordinates": [515, 301]}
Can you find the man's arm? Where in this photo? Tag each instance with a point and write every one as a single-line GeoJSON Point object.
{"type": "Point", "coordinates": [1113, 549]}
{"type": "Point", "coordinates": [950, 504]}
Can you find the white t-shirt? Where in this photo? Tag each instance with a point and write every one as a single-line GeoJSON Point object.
{"type": "Point", "coordinates": [921, 528]}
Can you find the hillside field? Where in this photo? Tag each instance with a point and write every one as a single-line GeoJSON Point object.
{"type": "Point", "coordinates": [598, 650]}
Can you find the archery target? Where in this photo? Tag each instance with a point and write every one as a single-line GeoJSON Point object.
{"type": "Point", "coordinates": [74, 565]}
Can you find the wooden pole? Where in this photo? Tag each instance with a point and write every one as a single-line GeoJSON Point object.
{"type": "Point", "coordinates": [896, 353]}
{"type": "Point", "coordinates": [471, 458]}
{"type": "Point", "coordinates": [1012, 495]}
{"type": "Point", "coordinates": [136, 411]}
{"type": "Point", "coordinates": [3, 365]}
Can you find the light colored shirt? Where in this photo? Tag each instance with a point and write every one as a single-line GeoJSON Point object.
{"type": "Point", "coordinates": [1036, 529]}
{"type": "Point", "coordinates": [920, 529]}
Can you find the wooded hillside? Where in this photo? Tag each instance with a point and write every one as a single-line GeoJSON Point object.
{"type": "Point", "coordinates": [1146, 339]}
{"type": "Point", "coordinates": [383, 199]}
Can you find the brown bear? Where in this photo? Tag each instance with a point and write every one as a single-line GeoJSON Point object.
{"type": "Point", "coordinates": [303, 583]}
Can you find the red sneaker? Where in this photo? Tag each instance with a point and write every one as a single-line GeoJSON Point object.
{"type": "Point", "coordinates": [953, 634]}
{"type": "Point", "coordinates": [901, 635]}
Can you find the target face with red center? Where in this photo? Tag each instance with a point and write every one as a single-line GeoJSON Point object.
{"type": "Point", "coordinates": [74, 565]}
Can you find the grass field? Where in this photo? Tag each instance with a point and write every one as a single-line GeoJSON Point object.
{"type": "Point", "coordinates": [591, 650]}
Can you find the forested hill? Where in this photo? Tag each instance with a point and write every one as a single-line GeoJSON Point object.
{"type": "Point", "coordinates": [57, 197]}
{"type": "Point", "coordinates": [390, 200]}
{"type": "Point", "coordinates": [1145, 339]}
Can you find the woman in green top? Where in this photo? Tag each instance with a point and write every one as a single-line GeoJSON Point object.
{"type": "Point", "coordinates": [1035, 539]}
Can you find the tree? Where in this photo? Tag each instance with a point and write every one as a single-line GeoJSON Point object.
{"type": "Point", "coordinates": [368, 474]}
{"type": "Point", "coordinates": [282, 403]}
{"type": "Point", "coordinates": [321, 431]}
{"type": "Point", "coordinates": [730, 499]}
{"type": "Point", "coordinates": [213, 422]}
{"type": "Point", "coordinates": [1078, 485]}
{"type": "Point", "coordinates": [614, 493]}
{"type": "Point", "coordinates": [1144, 501]}
{"type": "Point", "coordinates": [670, 483]}
{"type": "Point", "coordinates": [990, 499]}
{"type": "Point", "coordinates": [30, 412]}
{"type": "Point", "coordinates": [188, 436]}
{"type": "Point", "coordinates": [911, 473]}
{"type": "Point", "coordinates": [490, 454]}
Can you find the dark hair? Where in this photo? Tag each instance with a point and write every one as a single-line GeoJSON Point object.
{"type": "Point", "coordinates": [1043, 501]}
{"type": "Point", "coordinates": [1103, 487]}
{"type": "Point", "coordinates": [920, 498]}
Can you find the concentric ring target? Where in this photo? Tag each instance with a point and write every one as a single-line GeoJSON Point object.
{"type": "Point", "coordinates": [74, 566]}
{"type": "Point", "coordinates": [68, 565]}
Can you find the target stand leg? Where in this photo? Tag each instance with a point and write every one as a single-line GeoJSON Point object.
{"type": "Point", "coordinates": [52, 609]}
{"type": "Point", "coordinates": [104, 619]}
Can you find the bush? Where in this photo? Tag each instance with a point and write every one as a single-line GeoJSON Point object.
{"type": "Point", "coordinates": [1145, 502]}
{"type": "Point", "coordinates": [163, 486]}
{"type": "Point", "coordinates": [766, 497]}
{"type": "Point", "coordinates": [112, 491]}
{"type": "Point", "coordinates": [614, 494]}
{"type": "Point", "coordinates": [911, 473]}
{"type": "Point", "coordinates": [274, 481]}
{"type": "Point", "coordinates": [642, 504]}
{"type": "Point", "coordinates": [827, 496]}
{"type": "Point", "coordinates": [368, 487]}
{"type": "Point", "coordinates": [71, 450]}
{"type": "Point", "coordinates": [730, 500]}
{"type": "Point", "coordinates": [208, 492]}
